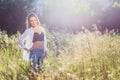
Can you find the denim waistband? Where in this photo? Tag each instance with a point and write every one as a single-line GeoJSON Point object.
{"type": "Point", "coordinates": [38, 49]}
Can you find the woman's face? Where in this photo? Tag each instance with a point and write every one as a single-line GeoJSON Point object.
{"type": "Point", "coordinates": [33, 21]}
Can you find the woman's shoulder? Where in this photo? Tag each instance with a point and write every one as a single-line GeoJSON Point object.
{"type": "Point", "coordinates": [28, 30]}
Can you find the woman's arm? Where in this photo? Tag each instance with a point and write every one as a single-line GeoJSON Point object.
{"type": "Point", "coordinates": [45, 41]}
{"type": "Point", "coordinates": [21, 38]}
{"type": "Point", "coordinates": [45, 44]}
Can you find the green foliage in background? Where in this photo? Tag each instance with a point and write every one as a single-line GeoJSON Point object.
{"type": "Point", "coordinates": [82, 56]}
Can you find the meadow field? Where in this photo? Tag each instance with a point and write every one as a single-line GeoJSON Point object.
{"type": "Point", "coordinates": [81, 56]}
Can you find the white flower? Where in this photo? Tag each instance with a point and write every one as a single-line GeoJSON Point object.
{"type": "Point", "coordinates": [61, 69]}
{"type": "Point", "coordinates": [89, 69]}
{"type": "Point", "coordinates": [68, 74]}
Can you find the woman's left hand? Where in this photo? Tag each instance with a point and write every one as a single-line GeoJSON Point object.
{"type": "Point", "coordinates": [46, 56]}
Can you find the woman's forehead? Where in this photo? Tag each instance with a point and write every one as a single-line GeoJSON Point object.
{"type": "Point", "coordinates": [32, 18]}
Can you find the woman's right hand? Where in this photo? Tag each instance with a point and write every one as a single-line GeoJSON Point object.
{"type": "Point", "coordinates": [26, 49]}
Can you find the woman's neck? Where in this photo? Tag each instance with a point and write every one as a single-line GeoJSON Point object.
{"type": "Point", "coordinates": [37, 28]}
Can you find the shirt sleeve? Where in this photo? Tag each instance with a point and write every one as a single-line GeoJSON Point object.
{"type": "Point", "coordinates": [45, 41]}
{"type": "Point", "coordinates": [45, 44]}
{"type": "Point", "coordinates": [21, 38]}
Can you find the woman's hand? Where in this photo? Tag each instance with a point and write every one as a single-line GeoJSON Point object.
{"type": "Point", "coordinates": [31, 49]}
{"type": "Point", "coordinates": [46, 56]}
{"type": "Point", "coordinates": [28, 49]}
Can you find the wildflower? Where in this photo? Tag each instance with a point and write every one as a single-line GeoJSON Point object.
{"type": "Point", "coordinates": [93, 77]}
{"type": "Point", "coordinates": [61, 69]}
{"type": "Point", "coordinates": [68, 74]}
{"type": "Point", "coordinates": [89, 69]}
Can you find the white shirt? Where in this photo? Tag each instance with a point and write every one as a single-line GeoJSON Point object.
{"type": "Point", "coordinates": [27, 36]}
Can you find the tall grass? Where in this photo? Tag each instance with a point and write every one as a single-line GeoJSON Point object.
{"type": "Point", "coordinates": [83, 56]}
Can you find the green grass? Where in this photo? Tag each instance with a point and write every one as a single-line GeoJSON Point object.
{"type": "Point", "coordinates": [82, 56]}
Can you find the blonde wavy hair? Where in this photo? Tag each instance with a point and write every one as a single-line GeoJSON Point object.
{"type": "Point", "coordinates": [28, 25]}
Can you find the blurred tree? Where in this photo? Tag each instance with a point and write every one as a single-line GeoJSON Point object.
{"type": "Point", "coordinates": [12, 15]}
{"type": "Point", "coordinates": [73, 13]}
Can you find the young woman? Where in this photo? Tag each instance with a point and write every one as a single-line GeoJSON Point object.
{"type": "Point", "coordinates": [35, 45]}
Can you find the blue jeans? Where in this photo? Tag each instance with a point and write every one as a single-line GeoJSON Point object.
{"type": "Point", "coordinates": [36, 59]}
